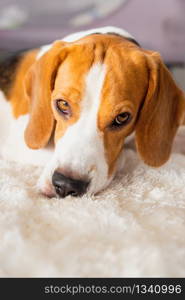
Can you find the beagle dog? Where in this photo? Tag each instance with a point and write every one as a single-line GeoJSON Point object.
{"type": "Point", "coordinates": [72, 104]}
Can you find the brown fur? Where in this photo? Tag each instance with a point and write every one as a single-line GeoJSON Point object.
{"type": "Point", "coordinates": [162, 113]}
{"type": "Point", "coordinates": [39, 83]}
{"type": "Point", "coordinates": [9, 65]}
{"type": "Point", "coordinates": [124, 89]}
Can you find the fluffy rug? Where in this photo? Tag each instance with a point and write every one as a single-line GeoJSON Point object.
{"type": "Point", "coordinates": [134, 228]}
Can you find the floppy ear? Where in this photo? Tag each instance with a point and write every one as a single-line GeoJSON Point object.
{"type": "Point", "coordinates": [39, 82]}
{"type": "Point", "coordinates": [161, 113]}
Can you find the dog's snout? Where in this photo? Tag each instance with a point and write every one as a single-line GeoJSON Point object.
{"type": "Point", "coordinates": [65, 186]}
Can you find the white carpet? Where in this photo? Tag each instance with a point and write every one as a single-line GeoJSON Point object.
{"type": "Point", "coordinates": [134, 228]}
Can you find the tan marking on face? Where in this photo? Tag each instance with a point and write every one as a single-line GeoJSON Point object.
{"type": "Point", "coordinates": [70, 81]}
{"type": "Point", "coordinates": [123, 91]}
{"type": "Point", "coordinates": [69, 85]}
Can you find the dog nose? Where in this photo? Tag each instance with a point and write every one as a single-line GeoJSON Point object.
{"type": "Point", "coordinates": [65, 186]}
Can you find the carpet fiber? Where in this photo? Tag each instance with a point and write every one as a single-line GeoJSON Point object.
{"type": "Point", "coordinates": [136, 227]}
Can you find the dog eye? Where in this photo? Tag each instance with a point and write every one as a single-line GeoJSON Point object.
{"type": "Point", "coordinates": [121, 119]}
{"type": "Point", "coordinates": [63, 107]}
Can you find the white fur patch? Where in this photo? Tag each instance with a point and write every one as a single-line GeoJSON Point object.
{"type": "Point", "coordinates": [43, 50]}
{"type": "Point", "coordinates": [12, 144]}
{"type": "Point", "coordinates": [107, 29]}
{"type": "Point", "coordinates": [81, 149]}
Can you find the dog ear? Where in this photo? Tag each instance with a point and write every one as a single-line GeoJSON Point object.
{"type": "Point", "coordinates": [39, 83]}
{"type": "Point", "coordinates": [162, 111]}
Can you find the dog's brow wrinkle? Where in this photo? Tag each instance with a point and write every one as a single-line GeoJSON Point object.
{"type": "Point", "coordinates": [93, 56]}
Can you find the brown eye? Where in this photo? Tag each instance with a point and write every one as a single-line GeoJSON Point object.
{"type": "Point", "coordinates": [121, 119]}
{"type": "Point", "coordinates": [63, 107]}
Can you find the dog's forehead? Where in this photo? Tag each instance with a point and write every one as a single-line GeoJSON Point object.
{"type": "Point", "coordinates": [122, 58]}
{"type": "Point", "coordinates": [100, 47]}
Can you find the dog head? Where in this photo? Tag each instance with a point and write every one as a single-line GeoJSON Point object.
{"type": "Point", "coordinates": [91, 94]}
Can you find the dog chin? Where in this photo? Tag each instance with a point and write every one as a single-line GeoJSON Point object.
{"type": "Point", "coordinates": [96, 188]}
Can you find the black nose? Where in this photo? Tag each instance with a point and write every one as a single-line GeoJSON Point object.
{"type": "Point", "coordinates": [65, 186]}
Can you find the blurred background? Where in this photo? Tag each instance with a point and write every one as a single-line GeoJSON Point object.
{"type": "Point", "coordinates": [156, 24]}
